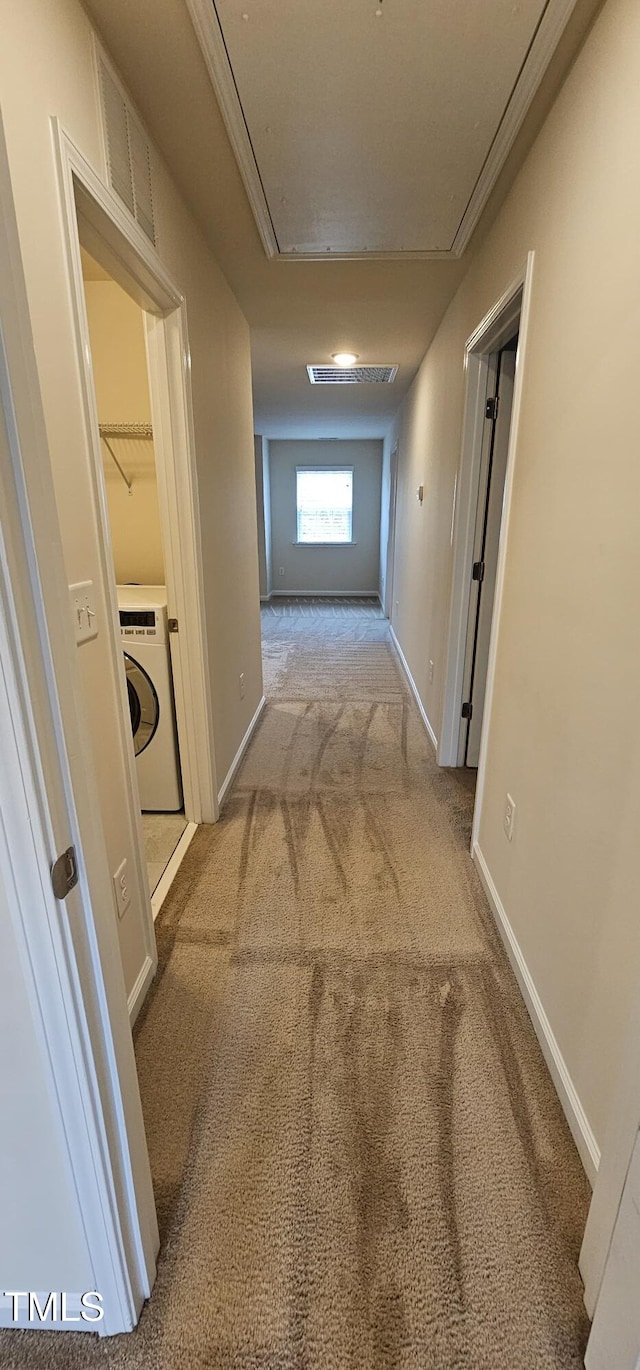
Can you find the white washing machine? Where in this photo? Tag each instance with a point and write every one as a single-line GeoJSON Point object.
{"type": "Point", "coordinates": [147, 659]}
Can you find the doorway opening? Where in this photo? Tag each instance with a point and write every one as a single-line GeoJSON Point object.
{"type": "Point", "coordinates": [493, 470]}
{"type": "Point", "coordinates": [120, 375]}
{"type": "Point", "coordinates": [494, 358]}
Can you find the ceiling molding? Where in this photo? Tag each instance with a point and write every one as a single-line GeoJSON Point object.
{"type": "Point", "coordinates": [554, 20]}
{"type": "Point", "coordinates": [209, 33]}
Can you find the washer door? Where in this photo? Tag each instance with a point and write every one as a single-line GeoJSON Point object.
{"type": "Point", "coordinates": [143, 704]}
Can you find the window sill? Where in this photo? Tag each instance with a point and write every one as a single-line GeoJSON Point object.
{"type": "Point", "coordinates": [351, 543]}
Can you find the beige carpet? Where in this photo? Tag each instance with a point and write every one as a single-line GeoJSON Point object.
{"type": "Point", "coordinates": [358, 1155]}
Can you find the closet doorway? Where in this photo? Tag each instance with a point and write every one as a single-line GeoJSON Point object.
{"type": "Point", "coordinates": [493, 470]}
{"type": "Point", "coordinates": [494, 363]}
{"type": "Point", "coordinates": [123, 401]}
{"type": "Point", "coordinates": [140, 461]}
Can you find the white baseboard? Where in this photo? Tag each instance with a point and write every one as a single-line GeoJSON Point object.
{"type": "Point", "coordinates": [325, 594]}
{"type": "Point", "coordinates": [264, 599]}
{"type": "Point", "coordinates": [230, 776]}
{"type": "Point", "coordinates": [171, 869]}
{"type": "Point", "coordinates": [413, 687]}
{"type": "Point", "coordinates": [139, 991]}
{"type": "Point", "coordinates": [583, 1137]}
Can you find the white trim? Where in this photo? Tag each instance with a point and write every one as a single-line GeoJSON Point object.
{"type": "Point", "coordinates": [554, 20]}
{"type": "Point", "coordinates": [494, 329]}
{"type": "Point", "coordinates": [413, 687]}
{"type": "Point", "coordinates": [576, 1117]}
{"type": "Point", "coordinates": [139, 992]}
{"type": "Point", "coordinates": [264, 599]}
{"type": "Point", "coordinates": [207, 27]}
{"type": "Point", "coordinates": [171, 869]}
{"type": "Point", "coordinates": [338, 256]}
{"type": "Point", "coordinates": [325, 594]}
{"type": "Point", "coordinates": [235, 764]}
{"type": "Point", "coordinates": [205, 23]}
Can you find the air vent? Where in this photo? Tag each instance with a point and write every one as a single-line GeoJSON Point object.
{"type": "Point", "coordinates": [128, 152]}
{"type": "Point", "coordinates": [352, 375]}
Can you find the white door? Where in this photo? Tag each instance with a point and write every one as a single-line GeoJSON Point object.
{"type": "Point", "coordinates": [485, 557]}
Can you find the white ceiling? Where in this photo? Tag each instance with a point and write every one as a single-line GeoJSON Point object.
{"type": "Point", "coordinates": [299, 310]}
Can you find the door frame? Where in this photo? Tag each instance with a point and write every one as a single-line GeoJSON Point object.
{"type": "Point", "coordinates": [394, 455]}
{"type": "Point", "coordinates": [92, 214]}
{"type": "Point", "coordinates": [511, 309]}
{"type": "Point", "coordinates": [48, 801]}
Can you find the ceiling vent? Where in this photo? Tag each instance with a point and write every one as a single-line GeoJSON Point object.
{"type": "Point", "coordinates": [352, 375]}
{"type": "Point", "coordinates": [128, 152]}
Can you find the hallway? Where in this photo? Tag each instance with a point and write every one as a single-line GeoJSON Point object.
{"type": "Point", "coordinates": [358, 1156]}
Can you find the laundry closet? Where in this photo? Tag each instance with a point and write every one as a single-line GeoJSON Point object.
{"type": "Point", "coordinates": [119, 361]}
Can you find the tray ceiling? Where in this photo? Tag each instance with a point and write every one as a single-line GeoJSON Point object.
{"type": "Point", "coordinates": [373, 127]}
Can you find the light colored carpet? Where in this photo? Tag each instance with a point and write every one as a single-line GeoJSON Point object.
{"type": "Point", "coordinates": [358, 1155]}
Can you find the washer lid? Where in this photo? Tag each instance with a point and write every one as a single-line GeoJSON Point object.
{"type": "Point", "coordinates": [142, 596]}
{"type": "Point", "coordinates": [143, 704]}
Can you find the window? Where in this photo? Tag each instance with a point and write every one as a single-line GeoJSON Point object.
{"type": "Point", "coordinates": [324, 503]}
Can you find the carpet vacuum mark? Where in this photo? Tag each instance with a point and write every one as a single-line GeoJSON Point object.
{"type": "Point", "coordinates": [359, 1158]}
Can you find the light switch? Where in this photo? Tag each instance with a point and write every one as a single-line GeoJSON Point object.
{"type": "Point", "coordinates": [83, 610]}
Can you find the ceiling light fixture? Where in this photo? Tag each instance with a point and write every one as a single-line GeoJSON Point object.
{"type": "Point", "coordinates": [345, 358]}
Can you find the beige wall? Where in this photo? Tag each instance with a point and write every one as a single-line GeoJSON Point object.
{"type": "Point", "coordinates": [116, 327]}
{"type": "Point", "coordinates": [317, 570]}
{"type": "Point", "coordinates": [563, 732]}
{"type": "Point", "coordinates": [46, 69]}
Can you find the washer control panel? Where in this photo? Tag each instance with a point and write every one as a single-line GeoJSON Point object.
{"type": "Point", "coordinates": [146, 625]}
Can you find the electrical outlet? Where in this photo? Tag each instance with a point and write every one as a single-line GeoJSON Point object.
{"type": "Point", "coordinates": [241, 682]}
{"type": "Point", "coordinates": [82, 600]}
{"type": "Point", "coordinates": [281, 570]}
{"type": "Point", "coordinates": [431, 673]}
{"type": "Point", "coordinates": [122, 888]}
{"type": "Point", "coordinates": [509, 819]}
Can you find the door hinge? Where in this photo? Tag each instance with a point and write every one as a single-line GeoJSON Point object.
{"type": "Point", "coordinates": [467, 710]}
{"type": "Point", "coordinates": [172, 625]}
{"type": "Point", "coordinates": [478, 571]}
{"type": "Point", "coordinates": [64, 873]}
{"type": "Point", "coordinates": [491, 408]}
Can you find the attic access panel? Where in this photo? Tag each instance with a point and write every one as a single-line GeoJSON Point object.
{"type": "Point", "coordinates": [374, 126]}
